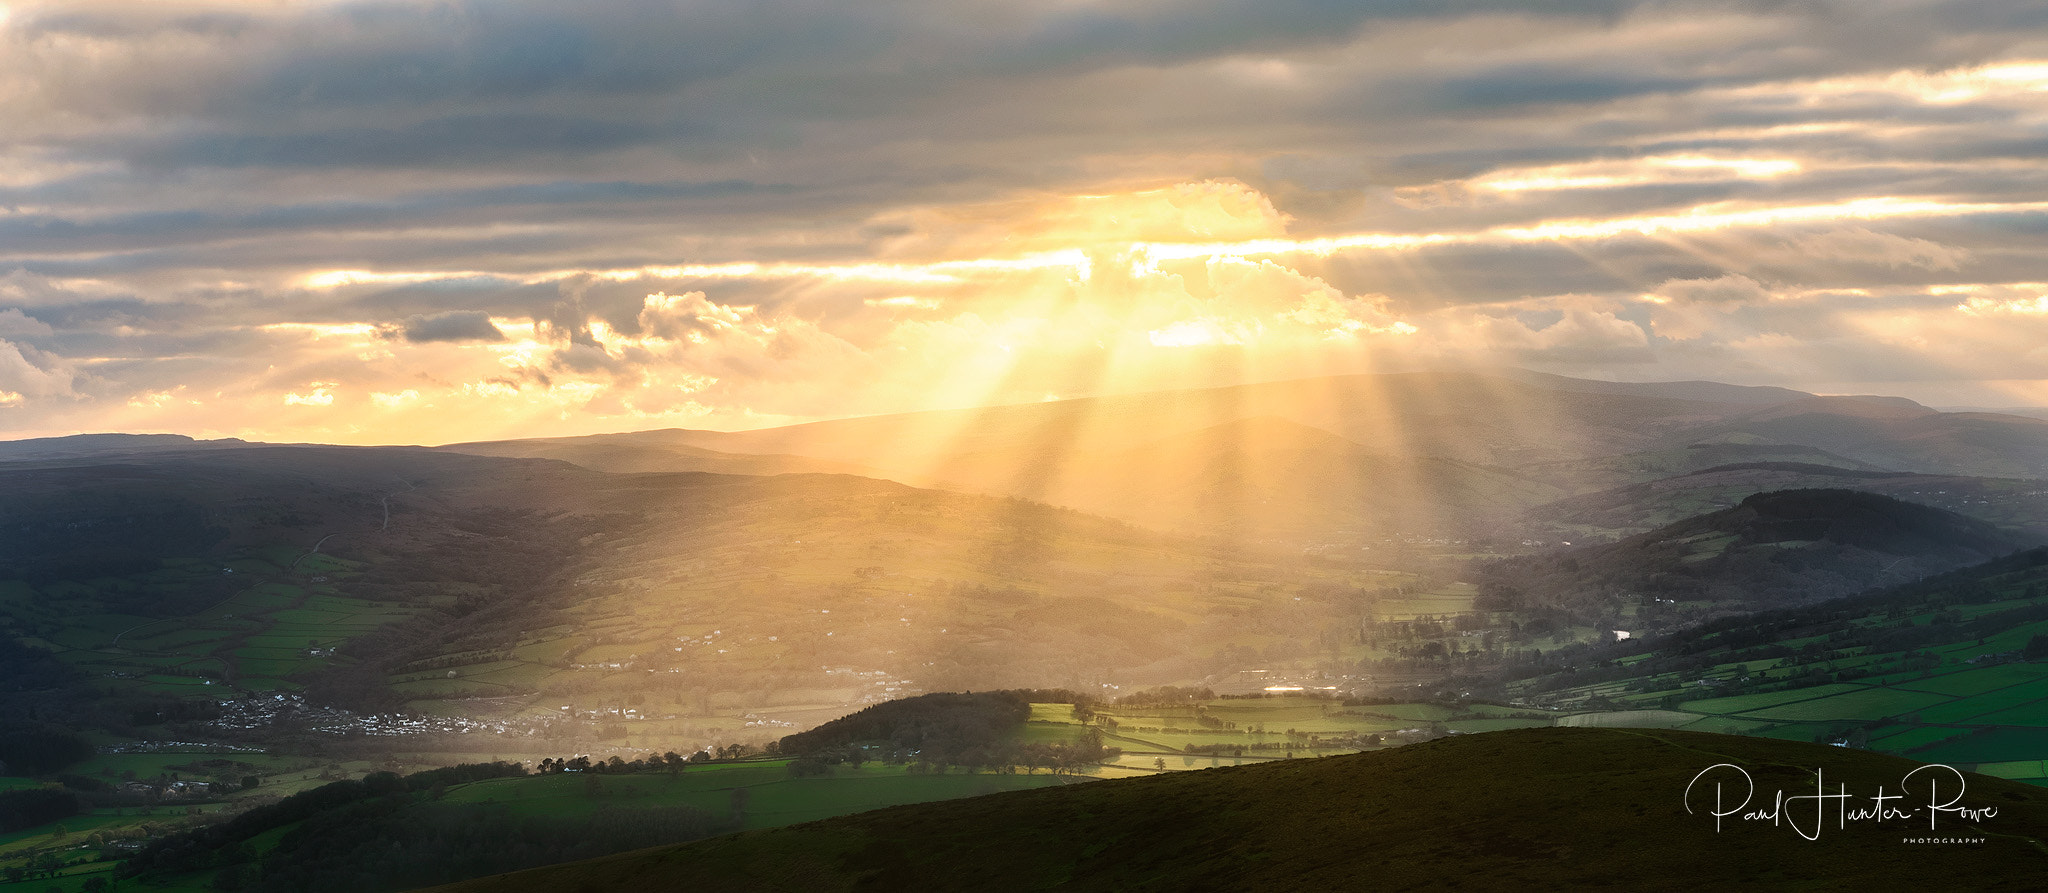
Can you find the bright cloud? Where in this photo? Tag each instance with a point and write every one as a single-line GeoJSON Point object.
{"type": "Point", "coordinates": [342, 225]}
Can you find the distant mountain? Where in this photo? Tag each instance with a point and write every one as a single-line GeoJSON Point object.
{"type": "Point", "coordinates": [2014, 503]}
{"type": "Point", "coordinates": [1772, 549]}
{"type": "Point", "coordinates": [78, 445]}
{"type": "Point", "coordinates": [2038, 412]}
{"type": "Point", "coordinates": [1458, 454]}
{"type": "Point", "coordinates": [1439, 453]}
{"type": "Point", "coordinates": [1650, 465]}
{"type": "Point", "coordinates": [1705, 391]}
{"type": "Point", "coordinates": [650, 452]}
{"type": "Point", "coordinates": [1481, 418]}
{"type": "Point", "coordinates": [1526, 809]}
{"type": "Point", "coordinates": [1270, 476]}
{"type": "Point", "coordinates": [1901, 435]}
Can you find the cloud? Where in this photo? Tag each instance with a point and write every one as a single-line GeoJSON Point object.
{"type": "Point", "coordinates": [30, 374]}
{"type": "Point", "coordinates": [538, 217]}
{"type": "Point", "coordinates": [15, 322]}
{"type": "Point", "coordinates": [1859, 245]}
{"type": "Point", "coordinates": [1575, 338]}
{"type": "Point", "coordinates": [1721, 290]}
{"type": "Point", "coordinates": [454, 325]}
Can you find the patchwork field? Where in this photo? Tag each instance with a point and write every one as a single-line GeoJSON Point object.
{"type": "Point", "coordinates": [1954, 671]}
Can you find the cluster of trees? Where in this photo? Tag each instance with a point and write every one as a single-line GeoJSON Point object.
{"type": "Point", "coordinates": [25, 669]}
{"type": "Point", "coordinates": [941, 725]}
{"type": "Point", "coordinates": [1166, 696]}
{"type": "Point", "coordinates": [670, 762]}
{"type": "Point", "coordinates": [938, 731]}
{"type": "Point", "coordinates": [96, 529]}
{"type": "Point", "coordinates": [33, 748]}
{"type": "Point", "coordinates": [30, 807]}
{"type": "Point", "coordinates": [46, 865]}
{"type": "Point", "coordinates": [1000, 756]}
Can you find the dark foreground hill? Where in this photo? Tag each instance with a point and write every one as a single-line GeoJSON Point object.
{"type": "Point", "coordinates": [1773, 549]}
{"type": "Point", "coordinates": [1527, 809]}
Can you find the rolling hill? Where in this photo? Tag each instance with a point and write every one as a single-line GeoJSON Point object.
{"type": "Point", "coordinates": [1426, 454]}
{"type": "Point", "coordinates": [1529, 809]}
{"type": "Point", "coordinates": [517, 589]}
{"type": "Point", "coordinates": [1774, 548]}
{"type": "Point", "coordinates": [1269, 477]}
{"type": "Point", "coordinates": [2017, 504]}
{"type": "Point", "coordinates": [653, 452]}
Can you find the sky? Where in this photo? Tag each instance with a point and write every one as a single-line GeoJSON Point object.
{"type": "Point", "coordinates": [427, 222]}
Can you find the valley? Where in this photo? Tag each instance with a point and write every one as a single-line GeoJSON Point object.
{"type": "Point", "coordinates": [198, 631]}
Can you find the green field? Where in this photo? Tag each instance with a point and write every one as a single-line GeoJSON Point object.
{"type": "Point", "coordinates": [1907, 675]}
{"type": "Point", "coordinates": [775, 797]}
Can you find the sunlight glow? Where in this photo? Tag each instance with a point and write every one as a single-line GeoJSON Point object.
{"type": "Point", "coordinates": [324, 330]}
{"type": "Point", "coordinates": [330, 279]}
{"type": "Point", "coordinates": [931, 273]}
{"type": "Point", "coordinates": [1635, 172]}
{"type": "Point", "coordinates": [1933, 88]}
{"type": "Point", "coordinates": [1196, 332]}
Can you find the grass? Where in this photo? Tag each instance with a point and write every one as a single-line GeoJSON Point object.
{"type": "Point", "coordinates": [1748, 703]}
{"type": "Point", "coordinates": [1874, 702]}
{"type": "Point", "coordinates": [1998, 745]}
{"type": "Point", "coordinates": [1534, 809]}
{"type": "Point", "coordinates": [1627, 719]}
{"type": "Point", "coordinates": [1979, 681]}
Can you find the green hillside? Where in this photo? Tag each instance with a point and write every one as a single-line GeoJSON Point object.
{"type": "Point", "coordinates": [1952, 669]}
{"type": "Point", "coordinates": [387, 832]}
{"type": "Point", "coordinates": [1533, 809]}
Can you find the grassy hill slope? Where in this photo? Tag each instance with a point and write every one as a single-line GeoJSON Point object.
{"type": "Point", "coordinates": [1545, 808]}
{"type": "Point", "coordinates": [1953, 668]}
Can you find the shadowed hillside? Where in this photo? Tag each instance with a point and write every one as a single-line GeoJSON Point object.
{"type": "Point", "coordinates": [1772, 549]}
{"type": "Point", "coordinates": [2015, 503]}
{"type": "Point", "coordinates": [1476, 812]}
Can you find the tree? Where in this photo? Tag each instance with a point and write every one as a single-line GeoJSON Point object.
{"type": "Point", "coordinates": [808, 767]}
{"type": "Point", "coordinates": [1159, 763]}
